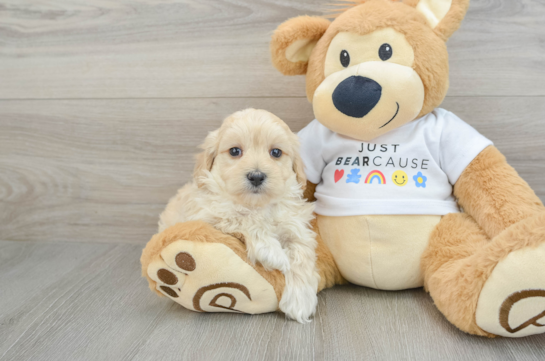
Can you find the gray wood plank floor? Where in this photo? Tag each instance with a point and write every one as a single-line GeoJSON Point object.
{"type": "Point", "coordinates": [102, 106]}
{"type": "Point", "coordinates": [86, 301]}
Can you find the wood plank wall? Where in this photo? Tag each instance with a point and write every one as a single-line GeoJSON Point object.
{"type": "Point", "coordinates": [102, 103]}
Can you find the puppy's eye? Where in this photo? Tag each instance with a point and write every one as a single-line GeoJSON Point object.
{"type": "Point", "coordinates": [385, 52]}
{"type": "Point", "coordinates": [345, 58]}
{"type": "Point", "coordinates": [235, 152]}
{"type": "Point", "coordinates": [276, 153]}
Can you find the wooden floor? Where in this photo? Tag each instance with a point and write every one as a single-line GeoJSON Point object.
{"type": "Point", "coordinates": [102, 105]}
{"type": "Point", "coordinates": [84, 301]}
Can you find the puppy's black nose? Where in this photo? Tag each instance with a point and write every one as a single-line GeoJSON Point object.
{"type": "Point", "coordinates": [356, 96]}
{"type": "Point", "coordinates": [256, 178]}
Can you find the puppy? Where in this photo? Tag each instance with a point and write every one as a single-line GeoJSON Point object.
{"type": "Point", "coordinates": [249, 182]}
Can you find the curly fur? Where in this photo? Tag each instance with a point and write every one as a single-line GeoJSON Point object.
{"type": "Point", "coordinates": [275, 223]}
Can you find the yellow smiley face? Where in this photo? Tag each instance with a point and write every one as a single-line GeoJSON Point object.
{"type": "Point", "coordinates": [400, 178]}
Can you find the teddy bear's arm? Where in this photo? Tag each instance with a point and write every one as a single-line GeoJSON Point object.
{"type": "Point", "coordinates": [309, 192]}
{"type": "Point", "coordinates": [493, 193]}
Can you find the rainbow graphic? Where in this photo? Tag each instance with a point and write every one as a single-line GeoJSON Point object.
{"type": "Point", "coordinates": [376, 174]}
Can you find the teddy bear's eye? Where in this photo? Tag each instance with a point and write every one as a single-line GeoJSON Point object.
{"type": "Point", "coordinates": [345, 58]}
{"type": "Point", "coordinates": [385, 52]}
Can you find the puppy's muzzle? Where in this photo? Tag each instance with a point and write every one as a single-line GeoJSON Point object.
{"type": "Point", "coordinates": [256, 178]}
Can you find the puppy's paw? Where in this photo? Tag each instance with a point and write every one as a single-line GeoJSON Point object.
{"type": "Point", "coordinates": [299, 303]}
{"type": "Point", "coordinates": [270, 255]}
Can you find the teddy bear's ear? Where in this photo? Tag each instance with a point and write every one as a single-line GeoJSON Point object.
{"type": "Point", "coordinates": [293, 41]}
{"type": "Point", "coordinates": [443, 16]}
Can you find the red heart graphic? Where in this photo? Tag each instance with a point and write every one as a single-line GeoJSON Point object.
{"type": "Point", "coordinates": [338, 175]}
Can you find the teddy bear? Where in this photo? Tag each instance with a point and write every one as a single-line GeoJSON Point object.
{"type": "Point", "coordinates": [407, 194]}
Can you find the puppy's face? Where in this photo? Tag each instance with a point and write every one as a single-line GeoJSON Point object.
{"type": "Point", "coordinates": [256, 156]}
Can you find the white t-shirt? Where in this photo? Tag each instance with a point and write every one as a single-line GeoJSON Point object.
{"type": "Point", "coordinates": [409, 170]}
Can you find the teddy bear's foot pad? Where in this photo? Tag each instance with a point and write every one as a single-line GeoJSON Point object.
{"type": "Point", "coordinates": [210, 277]}
{"type": "Point", "coordinates": [512, 301]}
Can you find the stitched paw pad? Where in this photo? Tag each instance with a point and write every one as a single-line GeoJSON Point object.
{"type": "Point", "coordinates": [512, 301]}
{"type": "Point", "coordinates": [170, 277]}
{"type": "Point", "coordinates": [210, 277]}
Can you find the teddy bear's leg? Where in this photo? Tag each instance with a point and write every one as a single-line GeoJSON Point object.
{"type": "Point", "coordinates": [512, 301]}
{"type": "Point", "coordinates": [488, 287]}
{"type": "Point", "coordinates": [452, 281]}
{"type": "Point", "coordinates": [205, 270]}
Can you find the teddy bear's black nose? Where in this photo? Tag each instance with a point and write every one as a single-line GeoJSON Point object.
{"type": "Point", "coordinates": [356, 96]}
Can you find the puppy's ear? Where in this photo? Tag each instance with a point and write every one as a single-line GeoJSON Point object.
{"type": "Point", "coordinates": [299, 169]}
{"type": "Point", "coordinates": [443, 16]}
{"type": "Point", "coordinates": [205, 159]}
{"type": "Point", "coordinates": [293, 41]}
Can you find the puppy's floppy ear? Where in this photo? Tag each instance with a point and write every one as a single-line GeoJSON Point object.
{"type": "Point", "coordinates": [443, 16]}
{"type": "Point", "coordinates": [205, 159]}
{"type": "Point", "coordinates": [293, 41]}
{"type": "Point", "coordinates": [299, 170]}
{"type": "Point", "coordinates": [298, 166]}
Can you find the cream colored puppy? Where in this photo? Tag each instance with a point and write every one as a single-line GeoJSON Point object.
{"type": "Point", "coordinates": [249, 182]}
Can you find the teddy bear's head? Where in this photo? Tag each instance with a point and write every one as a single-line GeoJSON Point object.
{"type": "Point", "coordinates": [377, 66]}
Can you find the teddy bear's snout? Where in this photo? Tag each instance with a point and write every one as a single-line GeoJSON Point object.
{"type": "Point", "coordinates": [356, 96]}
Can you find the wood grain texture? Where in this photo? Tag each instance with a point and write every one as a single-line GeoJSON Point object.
{"type": "Point", "coordinates": [102, 106]}
{"type": "Point", "coordinates": [103, 170]}
{"type": "Point", "coordinates": [219, 48]}
{"type": "Point", "coordinates": [69, 301]}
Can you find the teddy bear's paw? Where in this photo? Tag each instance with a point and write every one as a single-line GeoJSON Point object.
{"type": "Point", "coordinates": [512, 301]}
{"type": "Point", "coordinates": [210, 277]}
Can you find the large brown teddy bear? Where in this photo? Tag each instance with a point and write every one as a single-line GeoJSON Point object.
{"type": "Point", "coordinates": [389, 172]}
